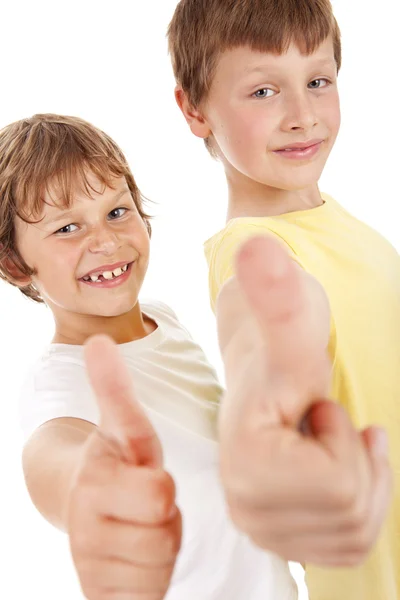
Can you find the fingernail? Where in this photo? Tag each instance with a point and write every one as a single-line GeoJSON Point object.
{"type": "Point", "coordinates": [381, 443]}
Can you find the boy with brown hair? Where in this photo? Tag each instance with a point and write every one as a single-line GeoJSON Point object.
{"type": "Point", "coordinates": [257, 80]}
{"type": "Point", "coordinates": [74, 234]}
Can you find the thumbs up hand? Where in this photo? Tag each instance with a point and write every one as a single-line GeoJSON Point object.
{"type": "Point", "coordinates": [124, 526]}
{"type": "Point", "coordinates": [310, 489]}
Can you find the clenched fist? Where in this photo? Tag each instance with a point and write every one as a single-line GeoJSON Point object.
{"type": "Point", "coordinates": [312, 490]}
{"type": "Point", "coordinates": [123, 524]}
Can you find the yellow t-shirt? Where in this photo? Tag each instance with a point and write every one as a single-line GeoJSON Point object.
{"type": "Point", "coordinates": [360, 272]}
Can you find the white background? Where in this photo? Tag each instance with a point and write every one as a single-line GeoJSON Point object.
{"type": "Point", "coordinates": [107, 62]}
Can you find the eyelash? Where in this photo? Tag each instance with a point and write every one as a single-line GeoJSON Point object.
{"type": "Point", "coordinates": [328, 82]}
{"type": "Point", "coordinates": [61, 232]}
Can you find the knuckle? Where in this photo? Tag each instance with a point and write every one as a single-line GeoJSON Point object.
{"type": "Point", "coordinates": [364, 540]}
{"type": "Point", "coordinates": [163, 494]}
{"type": "Point", "coordinates": [359, 517]}
{"type": "Point", "coordinates": [87, 575]}
{"type": "Point", "coordinates": [240, 517]}
{"type": "Point", "coordinates": [94, 593]}
{"type": "Point", "coordinates": [355, 559]}
{"type": "Point", "coordinates": [345, 496]}
{"type": "Point", "coordinates": [83, 503]}
{"type": "Point", "coordinates": [171, 543]}
{"type": "Point", "coordinates": [237, 485]}
{"type": "Point", "coordinates": [79, 540]}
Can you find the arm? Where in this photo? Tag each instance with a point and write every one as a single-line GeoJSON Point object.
{"type": "Point", "coordinates": [281, 484]}
{"type": "Point", "coordinates": [106, 486]}
{"type": "Point", "coordinates": [50, 460]}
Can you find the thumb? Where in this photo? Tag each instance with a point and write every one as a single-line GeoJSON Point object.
{"type": "Point", "coordinates": [122, 420]}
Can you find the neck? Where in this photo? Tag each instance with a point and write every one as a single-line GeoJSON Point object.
{"type": "Point", "coordinates": [248, 198]}
{"type": "Point", "coordinates": [75, 329]}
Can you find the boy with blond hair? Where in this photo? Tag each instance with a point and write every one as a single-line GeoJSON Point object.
{"type": "Point", "coordinates": [309, 310]}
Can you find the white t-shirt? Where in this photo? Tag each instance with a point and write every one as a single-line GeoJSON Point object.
{"type": "Point", "coordinates": [180, 393]}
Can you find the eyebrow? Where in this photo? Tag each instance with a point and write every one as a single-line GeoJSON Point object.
{"type": "Point", "coordinates": [72, 211]}
{"type": "Point", "coordinates": [262, 69]}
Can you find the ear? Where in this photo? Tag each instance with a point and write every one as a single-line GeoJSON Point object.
{"type": "Point", "coordinates": [197, 123]}
{"type": "Point", "coordinates": [9, 266]}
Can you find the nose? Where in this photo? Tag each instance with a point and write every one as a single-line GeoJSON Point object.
{"type": "Point", "coordinates": [102, 240]}
{"type": "Point", "coordinates": [300, 113]}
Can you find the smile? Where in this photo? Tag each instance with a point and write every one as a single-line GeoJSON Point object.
{"type": "Point", "coordinates": [299, 153]}
{"type": "Point", "coordinates": [108, 279]}
{"type": "Point", "coordinates": [107, 275]}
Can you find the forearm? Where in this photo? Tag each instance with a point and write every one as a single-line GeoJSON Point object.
{"type": "Point", "coordinates": [50, 460]}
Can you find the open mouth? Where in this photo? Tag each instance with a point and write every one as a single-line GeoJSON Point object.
{"type": "Point", "coordinates": [107, 275]}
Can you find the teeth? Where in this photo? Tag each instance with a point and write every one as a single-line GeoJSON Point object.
{"type": "Point", "coordinates": [108, 275]}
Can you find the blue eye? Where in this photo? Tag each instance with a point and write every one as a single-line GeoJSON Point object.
{"type": "Point", "coordinates": [66, 229]}
{"type": "Point", "coordinates": [264, 93]}
{"type": "Point", "coordinates": [117, 213]}
{"type": "Point", "coordinates": [317, 84]}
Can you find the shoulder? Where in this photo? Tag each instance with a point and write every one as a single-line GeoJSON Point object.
{"type": "Point", "coordinates": [237, 231]}
{"type": "Point", "coordinates": [56, 386]}
{"type": "Point", "coordinates": [59, 367]}
{"type": "Point", "coordinates": [157, 309]}
{"type": "Point", "coordinates": [165, 317]}
{"type": "Point", "coordinates": [222, 248]}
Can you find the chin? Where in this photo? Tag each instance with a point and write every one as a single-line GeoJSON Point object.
{"type": "Point", "coordinates": [296, 182]}
{"type": "Point", "coordinates": [114, 310]}
{"type": "Point", "coordinates": [298, 186]}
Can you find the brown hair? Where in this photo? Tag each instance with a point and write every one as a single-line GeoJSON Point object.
{"type": "Point", "coordinates": [201, 30]}
{"type": "Point", "coordinates": [39, 152]}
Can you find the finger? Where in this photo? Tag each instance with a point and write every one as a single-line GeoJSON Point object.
{"type": "Point", "coordinates": [142, 496]}
{"type": "Point", "coordinates": [329, 423]}
{"type": "Point", "coordinates": [119, 595]}
{"type": "Point", "coordinates": [323, 549]}
{"type": "Point", "coordinates": [146, 546]}
{"type": "Point", "coordinates": [118, 576]}
{"type": "Point", "coordinates": [376, 442]}
{"type": "Point", "coordinates": [123, 421]}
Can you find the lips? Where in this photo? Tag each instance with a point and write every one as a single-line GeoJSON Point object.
{"type": "Point", "coordinates": [300, 151]}
{"type": "Point", "coordinates": [108, 279]}
{"type": "Point", "coordinates": [300, 146]}
{"type": "Point", "coordinates": [106, 269]}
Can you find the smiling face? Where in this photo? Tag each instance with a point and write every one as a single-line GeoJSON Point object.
{"type": "Point", "coordinates": [89, 259]}
{"type": "Point", "coordinates": [273, 118]}
{"type": "Point", "coordinates": [261, 105]}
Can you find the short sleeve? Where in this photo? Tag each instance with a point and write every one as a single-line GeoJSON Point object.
{"type": "Point", "coordinates": [221, 251]}
{"type": "Point", "coordinates": [56, 388]}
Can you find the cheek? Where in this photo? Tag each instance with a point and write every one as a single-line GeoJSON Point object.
{"type": "Point", "coordinates": [242, 131]}
{"type": "Point", "coordinates": [59, 263]}
{"type": "Point", "coordinates": [332, 115]}
{"type": "Point", "coordinates": [139, 237]}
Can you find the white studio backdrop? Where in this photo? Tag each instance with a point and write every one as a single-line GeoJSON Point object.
{"type": "Point", "coordinates": [107, 62]}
